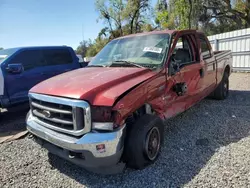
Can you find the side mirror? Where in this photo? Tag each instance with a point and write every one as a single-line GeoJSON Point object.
{"type": "Point", "coordinates": [15, 68]}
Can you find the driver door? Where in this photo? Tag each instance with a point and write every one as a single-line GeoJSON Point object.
{"type": "Point", "coordinates": [185, 75]}
{"type": "Point", "coordinates": [19, 84]}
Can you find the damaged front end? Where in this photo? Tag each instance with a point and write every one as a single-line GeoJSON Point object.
{"type": "Point", "coordinates": [66, 129]}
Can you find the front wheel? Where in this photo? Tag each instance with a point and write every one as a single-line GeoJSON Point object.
{"type": "Point", "coordinates": [222, 91]}
{"type": "Point", "coordinates": [143, 141]}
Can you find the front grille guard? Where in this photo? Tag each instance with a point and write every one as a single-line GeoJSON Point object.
{"type": "Point", "coordinates": [70, 102]}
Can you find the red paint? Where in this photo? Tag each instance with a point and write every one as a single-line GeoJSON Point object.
{"type": "Point", "coordinates": [108, 86]}
{"type": "Point", "coordinates": [99, 86]}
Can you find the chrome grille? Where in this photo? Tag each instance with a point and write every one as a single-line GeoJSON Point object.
{"type": "Point", "coordinates": [60, 114]}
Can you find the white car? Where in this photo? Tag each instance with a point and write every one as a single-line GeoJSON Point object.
{"type": "Point", "coordinates": [80, 58]}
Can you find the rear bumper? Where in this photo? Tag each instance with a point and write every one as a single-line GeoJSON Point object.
{"type": "Point", "coordinates": [94, 151]}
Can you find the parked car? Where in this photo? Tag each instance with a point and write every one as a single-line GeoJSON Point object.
{"type": "Point", "coordinates": [88, 59]}
{"type": "Point", "coordinates": [111, 113]}
{"type": "Point", "coordinates": [81, 60]}
{"type": "Point", "coordinates": [22, 68]}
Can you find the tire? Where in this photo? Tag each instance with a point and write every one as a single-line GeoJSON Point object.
{"type": "Point", "coordinates": [222, 91]}
{"type": "Point", "coordinates": [143, 141]}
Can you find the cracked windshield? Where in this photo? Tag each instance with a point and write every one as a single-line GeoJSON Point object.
{"type": "Point", "coordinates": [145, 49]}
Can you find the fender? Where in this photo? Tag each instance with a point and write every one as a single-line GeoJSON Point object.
{"type": "Point", "coordinates": [226, 67]}
{"type": "Point", "coordinates": [149, 92]}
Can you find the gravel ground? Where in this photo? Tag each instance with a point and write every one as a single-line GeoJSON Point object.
{"type": "Point", "coordinates": [207, 146]}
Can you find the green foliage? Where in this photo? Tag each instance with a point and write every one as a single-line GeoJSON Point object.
{"type": "Point", "coordinates": [123, 17]}
{"type": "Point", "coordinates": [181, 11]}
{"type": "Point", "coordinates": [111, 13]}
{"type": "Point", "coordinates": [1, 48]}
{"type": "Point", "coordinates": [82, 48]}
{"type": "Point", "coordinates": [162, 19]}
{"type": "Point", "coordinates": [96, 46]}
{"type": "Point", "coordinates": [226, 14]}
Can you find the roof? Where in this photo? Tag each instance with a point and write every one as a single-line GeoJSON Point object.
{"type": "Point", "coordinates": [36, 47]}
{"type": "Point", "coordinates": [148, 33]}
{"type": "Point", "coordinates": [156, 32]}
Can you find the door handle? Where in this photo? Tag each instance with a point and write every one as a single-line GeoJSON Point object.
{"type": "Point", "coordinates": [202, 72]}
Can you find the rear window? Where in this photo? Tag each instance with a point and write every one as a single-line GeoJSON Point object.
{"type": "Point", "coordinates": [205, 50]}
{"type": "Point", "coordinates": [57, 56]}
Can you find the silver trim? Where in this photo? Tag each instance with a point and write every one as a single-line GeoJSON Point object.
{"type": "Point", "coordinates": [74, 117]}
{"type": "Point", "coordinates": [56, 120]}
{"type": "Point", "coordinates": [70, 102]}
{"type": "Point", "coordinates": [50, 109]}
{"type": "Point", "coordinates": [103, 126]}
{"type": "Point", "coordinates": [113, 141]}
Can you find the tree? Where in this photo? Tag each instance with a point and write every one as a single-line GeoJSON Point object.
{"type": "Point", "coordinates": [234, 11]}
{"type": "Point", "coordinates": [123, 16]}
{"type": "Point", "coordinates": [96, 46]}
{"type": "Point", "coordinates": [177, 14]}
{"type": "Point", "coordinates": [180, 10]}
{"type": "Point", "coordinates": [83, 47]}
{"type": "Point", "coordinates": [162, 18]}
{"type": "Point", "coordinates": [211, 16]}
{"type": "Point", "coordinates": [103, 32]}
{"type": "Point", "coordinates": [111, 12]}
{"type": "Point", "coordinates": [134, 14]}
{"type": "Point", "coordinates": [1, 48]}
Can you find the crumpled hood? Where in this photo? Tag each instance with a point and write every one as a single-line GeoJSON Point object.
{"type": "Point", "coordinates": [97, 85]}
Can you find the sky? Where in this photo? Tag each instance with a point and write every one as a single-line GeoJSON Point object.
{"type": "Point", "coordinates": [47, 22]}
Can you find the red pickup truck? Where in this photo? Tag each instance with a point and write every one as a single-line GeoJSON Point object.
{"type": "Point", "coordinates": [112, 112]}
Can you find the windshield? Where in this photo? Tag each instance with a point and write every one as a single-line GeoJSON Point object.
{"type": "Point", "coordinates": [147, 49]}
{"type": "Point", "coordinates": [6, 53]}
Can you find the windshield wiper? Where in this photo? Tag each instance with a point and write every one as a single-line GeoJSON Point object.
{"type": "Point", "coordinates": [97, 65]}
{"type": "Point", "coordinates": [128, 63]}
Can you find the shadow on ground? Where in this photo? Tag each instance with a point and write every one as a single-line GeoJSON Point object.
{"type": "Point", "coordinates": [191, 140]}
{"type": "Point", "coordinates": [13, 120]}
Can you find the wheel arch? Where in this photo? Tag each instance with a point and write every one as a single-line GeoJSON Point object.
{"type": "Point", "coordinates": [146, 97]}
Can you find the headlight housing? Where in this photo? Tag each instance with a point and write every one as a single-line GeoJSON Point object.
{"type": "Point", "coordinates": [103, 118]}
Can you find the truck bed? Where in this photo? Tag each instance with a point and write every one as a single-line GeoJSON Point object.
{"type": "Point", "coordinates": [221, 54]}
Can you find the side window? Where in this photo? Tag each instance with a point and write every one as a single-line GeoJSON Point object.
{"type": "Point", "coordinates": [205, 50]}
{"type": "Point", "coordinates": [183, 51]}
{"type": "Point", "coordinates": [57, 56]}
{"type": "Point", "coordinates": [29, 59]}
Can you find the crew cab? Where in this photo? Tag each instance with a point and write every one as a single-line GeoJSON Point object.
{"type": "Point", "coordinates": [112, 112]}
{"type": "Point", "coordinates": [22, 68]}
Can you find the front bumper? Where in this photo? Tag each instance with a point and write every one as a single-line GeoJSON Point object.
{"type": "Point", "coordinates": [84, 151]}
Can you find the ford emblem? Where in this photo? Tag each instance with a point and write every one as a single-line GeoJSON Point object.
{"type": "Point", "coordinates": [46, 113]}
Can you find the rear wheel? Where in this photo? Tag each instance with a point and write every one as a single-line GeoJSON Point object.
{"type": "Point", "coordinates": [143, 141]}
{"type": "Point", "coordinates": [222, 90]}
